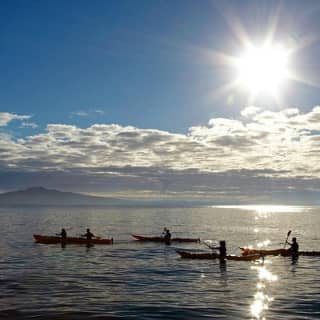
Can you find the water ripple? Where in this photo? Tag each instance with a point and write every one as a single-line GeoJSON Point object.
{"type": "Point", "coordinates": [131, 280]}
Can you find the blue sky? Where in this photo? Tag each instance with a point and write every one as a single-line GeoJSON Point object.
{"type": "Point", "coordinates": [132, 66]}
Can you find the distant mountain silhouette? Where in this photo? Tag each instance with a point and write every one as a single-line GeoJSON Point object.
{"type": "Point", "coordinates": [39, 196]}
{"type": "Point", "coordinates": [43, 196]}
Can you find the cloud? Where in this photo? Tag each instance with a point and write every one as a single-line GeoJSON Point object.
{"type": "Point", "coordinates": [6, 117]}
{"type": "Point", "coordinates": [87, 113]}
{"type": "Point", "coordinates": [29, 125]}
{"type": "Point", "coordinates": [250, 111]}
{"type": "Point", "coordinates": [234, 154]}
{"type": "Point", "coordinates": [278, 141]}
{"type": "Point", "coordinates": [98, 111]}
{"type": "Point", "coordinates": [79, 113]}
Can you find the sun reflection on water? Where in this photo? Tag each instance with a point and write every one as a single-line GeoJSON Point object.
{"type": "Point", "coordinates": [265, 209]}
{"type": "Point", "coordinates": [259, 245]}
{"type": "Point", "coordinates": [261, 298]}
{"type": "Point", "coordinates": [263, 243]}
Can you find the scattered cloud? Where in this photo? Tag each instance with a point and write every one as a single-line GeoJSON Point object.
{"type": "Point", "coordinates": [6, 117]}
{"type": "Point", "coordinates": [99, 111]}
{"type": "Point", "coordinates": [79, 113]}
{"type": "Point", "coordinates": [87, 113]}
{"type": "Point", "coordinates": [28, 125]}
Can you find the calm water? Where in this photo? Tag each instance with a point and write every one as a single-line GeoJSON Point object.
{"type": "Point", "coordinates": [132, 280]}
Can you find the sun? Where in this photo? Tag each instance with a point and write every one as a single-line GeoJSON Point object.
{"type": "Point", "coordinates": [263, 67]}
{"type": "Point", "coordinates": [263, 70]}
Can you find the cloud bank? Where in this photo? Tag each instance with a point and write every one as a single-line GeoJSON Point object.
{"type": "Point", "coordinates": [6, 117]}
{"type": "Point", "coordinates": [261, 148]}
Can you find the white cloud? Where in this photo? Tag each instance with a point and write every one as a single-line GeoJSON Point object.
{"type": "Point", "coordinates": [6, 117]}
{"type": "Point", "coordinates": [268, 143]}
{"type": "Point", "coordinates": [98, 111]}
{"type": "Point", "coordinates": [80, 113]}
{"type": "Point", "coordinates": [29, 125]}
{"type": "Point", "coordinates": [250, 111]}
{"type": "Point", "coordinates": [87, 113]}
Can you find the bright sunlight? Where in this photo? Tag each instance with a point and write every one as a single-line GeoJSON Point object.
{"type": "Point", "coordinates": [263, 69]}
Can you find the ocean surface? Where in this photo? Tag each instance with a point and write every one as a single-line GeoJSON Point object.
{"type": "Point", "coordinates": [132, 280]}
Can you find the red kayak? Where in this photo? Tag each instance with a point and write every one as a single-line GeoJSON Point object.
{"type": "Point", "coordinates": [266, 252]}
{"type": "Point", "coordinates": [211, 255]}
{"type": "Point", "coordinates": [162, 239]}
{"type": "Point", "coordinates": [72, 240]}
{"type": "Point", "coordinates": [276, 252]}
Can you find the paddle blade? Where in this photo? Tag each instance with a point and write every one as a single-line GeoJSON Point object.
{"type": "Point", "coordinates": [285, 243]}
{"type": "Point", "coordinates": [210, 243]}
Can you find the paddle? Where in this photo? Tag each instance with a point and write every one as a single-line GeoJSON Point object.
{"type": "Point", "coordinates": [285, 243]}
{"type": "Point", "coordinates": [207, 244]}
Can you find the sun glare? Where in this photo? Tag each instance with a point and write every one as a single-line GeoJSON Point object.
{"type": "Point", "coordinates": [263, 69]}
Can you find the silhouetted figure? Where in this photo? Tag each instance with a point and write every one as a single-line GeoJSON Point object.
{"type": "Point", "coordinates": [63, 233]}
{"type": "Point", "coordinates": [167, 236]}
{"type": "Point", "coordinates": [89, 235]}
{"type": "Point", "coordinates": [294, 247]}
{"type": "Point", "coordinates": [222, 250]}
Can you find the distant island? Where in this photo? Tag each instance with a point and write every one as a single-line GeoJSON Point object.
{"type": "Point", "coordinates": [49, 197]}
{"type": "Point", "coordinates": [40, 196]}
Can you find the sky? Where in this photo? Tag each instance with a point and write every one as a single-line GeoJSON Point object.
{"type": "Point", "coordinates": [139, 98]}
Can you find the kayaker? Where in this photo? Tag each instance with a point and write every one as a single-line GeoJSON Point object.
{"type": "Point", "coordinates": [89, 235]}
{"type": "Point", "coordinates": [167, 236]}
{"type": "Point", "coordinates": [63, 233]}
{"type": "Point", "coordinates": [222, 249]}
{"type": "Point", "coordinates": [294, 247]}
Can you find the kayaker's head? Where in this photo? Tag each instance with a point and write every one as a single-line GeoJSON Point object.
{"type": "Point", "coordinates": [88, 230]}
{"type": "Point", "coordinates": [294, 239]}
{"type": "Point", "coordinates": [222, 243]}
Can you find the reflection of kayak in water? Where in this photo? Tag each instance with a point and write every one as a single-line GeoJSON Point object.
{"type": "Point", "coordinates": [276, 252]}
{"type": "Point", "coordinates": [162, 239]}
{"type": "Point", "coordinates": [72, 240]}
{"type": "Point", "coordinates": [211, 255]}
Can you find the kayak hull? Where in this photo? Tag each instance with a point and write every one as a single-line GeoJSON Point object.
{"type": "Point", "coordinates": [69, 240]}
{"type": "Point", "coordinates": [190, 255]}
{"type": "Point", "coordinates": [265, 252]}
{"type": "Point", "coordinates": [210, 256]}
{"type": "Point", "coordinates": [277, 252]}
{"type": "Point", "coordinates": [162, 239]}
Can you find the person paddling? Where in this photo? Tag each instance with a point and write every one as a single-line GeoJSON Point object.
{"type": "Point", "coordinates": [294, 247]}
{"type": "Point", "coordinates": [167, 236]}
{"type": "Point", "coordinates": [89, 235]}
{"type": "Point", "coordinates": [222, 249]}
{"type": "Point", "coordinates": [63, 233]}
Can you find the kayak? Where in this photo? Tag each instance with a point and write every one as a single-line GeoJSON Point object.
{"type": "Point", "coordinates": [72, 240]}
{"type": "Point", "coordinates": [276, 252]}
{"type": "Point", "coordinates": [211, 255]}
{"type": "Point", "coordinates": [266, 252]}
{"type": "Point", "coordinates": [162, 239]}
